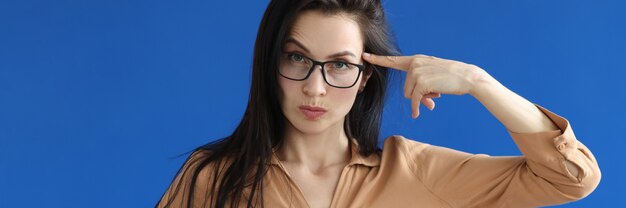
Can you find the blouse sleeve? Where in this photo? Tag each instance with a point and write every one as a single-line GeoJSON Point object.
{"type": "Point", "coordinates": [538, 178]}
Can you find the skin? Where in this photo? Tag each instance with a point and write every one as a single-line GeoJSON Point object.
{"type": "Point", "coordinates": [315, 152]}
{"type": "Point", "coordinates": [427, 75]}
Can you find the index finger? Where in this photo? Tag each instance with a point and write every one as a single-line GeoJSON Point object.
{"type": "Point", "coordinates": [397, 62]}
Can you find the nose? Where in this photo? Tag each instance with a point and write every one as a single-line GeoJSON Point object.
{"type": "Point", "coordinates": [315, 84]}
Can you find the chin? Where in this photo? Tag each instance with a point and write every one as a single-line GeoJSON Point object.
{"type": "Point", "coordinates": [307, 126]}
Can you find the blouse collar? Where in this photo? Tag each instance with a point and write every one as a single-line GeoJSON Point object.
{"type": "Point", "coordinates": [373, 160]}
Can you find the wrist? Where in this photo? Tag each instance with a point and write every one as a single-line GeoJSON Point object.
{"type": "Point", "coordinates": [482, 82]}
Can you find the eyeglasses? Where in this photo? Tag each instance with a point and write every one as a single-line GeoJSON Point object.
{"type": "Point", "coordinates": [339, 74]}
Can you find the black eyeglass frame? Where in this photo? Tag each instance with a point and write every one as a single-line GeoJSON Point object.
{"type": "Point", "coordinates": [321, 64]}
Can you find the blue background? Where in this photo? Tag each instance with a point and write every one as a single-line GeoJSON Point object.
{"type": "Point", "coordinates": [97, 98]}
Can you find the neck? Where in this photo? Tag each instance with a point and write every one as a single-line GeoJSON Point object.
{"type": "Point", "coordinates": [315, 151]}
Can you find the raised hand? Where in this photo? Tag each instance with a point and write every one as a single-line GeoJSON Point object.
{"type": "Point", "coordinates": [428, 77]}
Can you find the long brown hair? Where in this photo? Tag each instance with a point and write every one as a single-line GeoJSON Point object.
{"type": "Point", "coordinates": [248, 149]}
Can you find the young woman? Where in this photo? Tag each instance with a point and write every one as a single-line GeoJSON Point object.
{"type": "Point", "coordinates": [309, 135]}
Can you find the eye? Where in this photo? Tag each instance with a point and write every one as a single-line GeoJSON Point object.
{"type": "Point", "coordinates": [339, 65]}
{"type": "Point", "coordinates": [295, 57]}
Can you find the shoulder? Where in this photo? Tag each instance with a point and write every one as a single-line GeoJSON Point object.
{"type": "Point", "coordinates": [201, 166]}
{"type": "Point", "coordinates": [398, 149]}
{"type": "Point", "coordinates": [419, 155]}
{"type": "Point", "coordinates": [198, 167]}
{"type": "Point", "coordinates": [417, 151]}
{"type": "Point", "coordinates": [400, 143]}
{"type": "Point", "coordinates": [404, 157]}
{"type": "Point", "coordinates": [198, 160]}
{"type": "Point", "coordinates": [196, 176]}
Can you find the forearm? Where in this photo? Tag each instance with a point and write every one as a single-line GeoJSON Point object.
{"type": "Point", "coordinates": [513, 111]}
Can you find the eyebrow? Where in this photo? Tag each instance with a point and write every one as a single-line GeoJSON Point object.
{"type": "Point", "coordinates": [335, 55]}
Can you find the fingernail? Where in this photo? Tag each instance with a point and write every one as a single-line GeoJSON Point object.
{"type": "Point", "coordinates": [366, 54]}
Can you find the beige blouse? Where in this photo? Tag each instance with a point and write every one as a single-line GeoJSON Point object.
{"type": "Point", "coordinates": [414, 174]}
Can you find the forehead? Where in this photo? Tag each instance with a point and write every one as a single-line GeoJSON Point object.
{"type": "Point", "coordinates": [323, 34]}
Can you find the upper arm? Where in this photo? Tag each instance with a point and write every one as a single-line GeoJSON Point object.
{"type": "Point", "coordinates": [540, 177]}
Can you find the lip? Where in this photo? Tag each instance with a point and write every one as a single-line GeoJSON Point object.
{"type": "Point", "coordinates": [312, 112]}
{"type": "Point", "coordinates": [312, 108]}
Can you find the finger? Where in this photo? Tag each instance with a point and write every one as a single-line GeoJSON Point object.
{"type": "Point", "coordinates": [397, 62]}
{"type": "Point", "coordinates": [432, 95]}
{"type": "Point", "coordinates": [415, 103]}
{"type": "Point", "coordinates": [409, 86]}
{"type": "Point", "coordinates": [429, 103]}
{"type": "Point", "coordinates": [408, 91]}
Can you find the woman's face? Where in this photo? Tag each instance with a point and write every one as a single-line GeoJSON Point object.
{"type": "Point", "coordinates": [322, 38]}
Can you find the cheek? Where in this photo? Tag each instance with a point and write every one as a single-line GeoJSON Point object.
{"type": "Point", "coordinates": [343, 98]}
{"type": "Point", "coordinates": [348, 94]}
{"type": "Point", "coordinates": [285, 89]}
